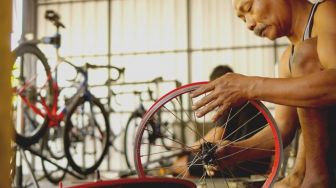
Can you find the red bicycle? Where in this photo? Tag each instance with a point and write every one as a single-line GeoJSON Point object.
{"type": "Point", "coordinates": [79, 130]}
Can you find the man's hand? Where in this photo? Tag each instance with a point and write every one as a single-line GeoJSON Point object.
{"type": "Point", "coordinates": [227, 91]}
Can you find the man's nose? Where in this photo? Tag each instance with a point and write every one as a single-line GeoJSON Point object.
{"type": "Point", "coordinates": [251, 24]}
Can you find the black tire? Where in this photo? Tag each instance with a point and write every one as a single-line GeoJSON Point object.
{"type": "Point", "coordinates": [129, 135]}
{"type": "Point", "coordinates": [53, 141]}
{"type": "Point", "coordinates": [52, 172]}
{"type": "Point", "coordinates": [75, 133]}
{"type": "Point", "coordinates": [39, 83]}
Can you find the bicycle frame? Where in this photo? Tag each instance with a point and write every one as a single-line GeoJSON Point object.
{"type": "Point", "coordinates": [53, 113]}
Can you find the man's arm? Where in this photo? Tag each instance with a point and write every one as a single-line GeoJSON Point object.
{"type": "Point", "coordinates": [287, 121]}
{"type": "Point", "coordinates": [313, 90]}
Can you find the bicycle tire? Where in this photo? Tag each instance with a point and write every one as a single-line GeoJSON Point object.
{"type": "Point", "coordinates": [129, 134]}
{"type": "Point", "coordinates": [53, 175]}
{"type": "Point", "coordinates": [158, 169]}
{"type": "Point", "coordinates": [32, 52]}
{"type": "Point", "coordinates": [72, 134]}
{"type": "Point", "coordinates": [53, 141]}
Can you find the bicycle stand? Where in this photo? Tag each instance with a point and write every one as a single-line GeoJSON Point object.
{"type": "Point", "coordinates": [18, 166]}
{"type": "Point", "coordinates": [22, 153]}
{"type": "Point", "coordinates": [35, 181]}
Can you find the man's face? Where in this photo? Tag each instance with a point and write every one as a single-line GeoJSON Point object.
{"type": "Point", "coordinates": [266, 18]}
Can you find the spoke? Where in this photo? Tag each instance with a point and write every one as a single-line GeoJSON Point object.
{"type": "Point", "coordinates": [229, 171]}
{"type": "Point", "coordinates": [253, 148]}
{"type": "Point", "coordinates": [202, 178]}
{"type": "Point", "coordinates": [242, 125]}
{"type": "Point", "coordinates": [239, 138]}
{"type": "Point", "coordinates": [161, 152]}
{"type": "Point", "coordinates": [236, 131]}
{"type": "Point", "coordinates": [194, 115]}
{"type": "Point", "coordinates": [244, 149]}
{"type": "Point", "coordinates": [174, 115]}
{"type": "Point", "coordinates": [190, 164]}
{"type": "Point", "coordinates": [234, 115]}
{"type": "Point", "coordinates": [143, 143]}
{"type": "Point", "coordinates": [166, 127]}
{"type": "Point", "coordinates": [196, 132]}
{"type": "Point", "coordinates": [179, 142]}
{"type": "Point", "coordinates": [203, 122]}
{"type": "Point", "coordinates": [250, 133]}
{"type": "Point", "coordinates": [227, 122]}
{"type": "Point", "coordinates": [175, 167]}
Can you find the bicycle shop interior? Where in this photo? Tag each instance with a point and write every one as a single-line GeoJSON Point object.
{"type": "Point", "coordinates": [94, 95]}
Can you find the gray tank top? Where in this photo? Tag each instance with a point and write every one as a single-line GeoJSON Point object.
{"type": "Point", "coordinates": [307, 32]}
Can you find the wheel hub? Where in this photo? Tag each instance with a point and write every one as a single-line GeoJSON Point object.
{"type": "Point", "coordinates": [208, 153]}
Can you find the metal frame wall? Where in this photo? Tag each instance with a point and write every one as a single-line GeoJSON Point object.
{"type": "Point", "coordinates": [189, 50]}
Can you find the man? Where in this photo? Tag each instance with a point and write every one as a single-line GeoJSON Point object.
{"type": "Point", "coordinates": [305, 93]}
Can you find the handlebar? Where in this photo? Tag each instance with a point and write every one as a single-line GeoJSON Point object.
{"type": "Point", "coordinates": [119, 71]}
{"type": "Point", "coordinates": [158, 79]}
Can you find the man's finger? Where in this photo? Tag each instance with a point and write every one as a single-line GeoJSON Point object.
{"type": "Point", "coordinates": [201, 90]}
{"type": "Point", "coordinates": [204, 101]}
{"type": "Point", "coordinates": [219, 112]}
{"type": "Point", "coordinates": [206, 109]}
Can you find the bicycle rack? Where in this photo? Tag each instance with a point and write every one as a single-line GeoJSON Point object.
{"type": "Point", "coordinates": [22, 155]}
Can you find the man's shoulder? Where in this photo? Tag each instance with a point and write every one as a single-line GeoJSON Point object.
{"type": "Point", "coordinates": [327, 7]}
{"type": "Point", "coordinates": [325, 16]}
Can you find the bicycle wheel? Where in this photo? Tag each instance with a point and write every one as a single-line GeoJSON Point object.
{"type": "Point", "coordinates": [132, 125]}
{"type": "Point", "coordinates": [86, 134]}
{"type": "Point", "coordinates": [32, 93]}
{"type": "Point", "coordinates": [205, 156]}
{"type": "Point", "coordinates": [53, 141]}
{"type": "Point", "coordinates": [53, 149]}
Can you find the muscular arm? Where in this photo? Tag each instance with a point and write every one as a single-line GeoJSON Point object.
{"type": "Point", "coordinates": [313, 90]}
{"type": "Point", "coordinates": [286, 119]}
